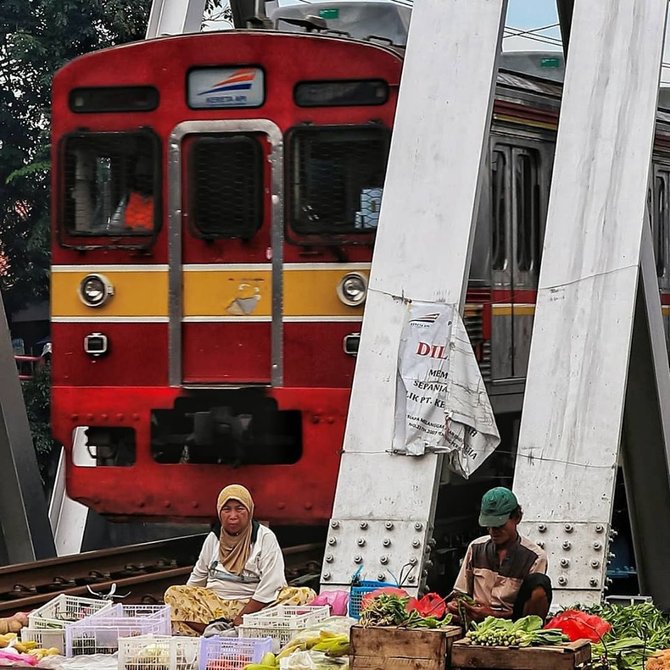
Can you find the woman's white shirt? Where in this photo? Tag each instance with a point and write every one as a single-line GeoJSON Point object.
{"type": "Point", "coordinates": [262, 578]}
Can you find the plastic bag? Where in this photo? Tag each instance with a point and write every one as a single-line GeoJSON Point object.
{"type": "Point", "coordinates": [338, 601]}
{"type": "Point", "coordinates": [578, 625]}
{"type": "Point", "coordinates": [313, 660]}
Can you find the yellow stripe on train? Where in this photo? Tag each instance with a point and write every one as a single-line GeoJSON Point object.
{"type": "Point", "coordinates": [213, 291]}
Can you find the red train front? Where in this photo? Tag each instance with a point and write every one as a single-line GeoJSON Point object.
{"type": "Point", "coordinates": [215, 202]}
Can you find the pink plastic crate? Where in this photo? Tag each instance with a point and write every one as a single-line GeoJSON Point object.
{"type": "Point", "coordinates": [231, 653]}
{"type": "Point", "coordinates": [100, 634]}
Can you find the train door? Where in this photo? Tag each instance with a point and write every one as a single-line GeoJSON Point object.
{"type": "Point", "coordinates": [520, 184]}
{"type": "Point", "coordinates": [659, 207]}
{"type": "Point", "coordinates": [226, 253]}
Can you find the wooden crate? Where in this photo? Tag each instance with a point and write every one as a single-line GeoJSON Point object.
{"type": "Point", "coordinates": [565, 656]}
{"type": "Point", "coordinates": [377, 648]}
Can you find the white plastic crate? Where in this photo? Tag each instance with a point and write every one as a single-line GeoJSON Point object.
{"type": "Point", "coordinates": [184, 653]}
{"type": "Point", "coordinates": [144, 652]}
{"type": "Point", "coordinates": [100, 634]}
{"type": "Point", "coordinates": [65, 609]}
{"type": "Point", "coordinates": [231, 653]}
{"type": "Point", "coordinates": [158, 652]}
{"type": "Point", "coordinates": [45, 637]}
{"type": "Point", "coordinates": [282, 622]}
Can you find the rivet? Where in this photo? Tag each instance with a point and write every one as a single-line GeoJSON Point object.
{"type": "Point", "coordinates": [568, 528]}
{"type": "Point", "coordinates": [388, 525]}
{"type": "Point", "coordinates": [593, 581]}
{"type": "Point", "coordinates": [600, 528]}
{"type": "Point", "coordinates": [386, 542]}
{"type": "Point", "coordinates": [608, 580]}
{"type": "Point", "coordinates": [360, 542]}
{"type": "Point", "coordinates": [381, 576]}
{"type": "Point", "coordinates": [613, 533]}
{"type": "Point", "coordinates": [418, 526]}
{"type": "Point", "coordinates": [565, 562]}
{"type": "Point", "coordinates": [167, 504]}
{"type": "Point", "coordinates": [611, 555]}
{"type": "Point", "coordinates": [542, 527]}
{"type": "Point", "coordinates": [358, 559]}
{"type": "Point", "coordinates": [416, 543]}
{"type": "Point", "coordinates": [566, 545]}
{"type": "Point", "coordinates": [75, 417]}
{"type": "Point", "coordinates": [332, 541]}
{"type": "Point", "coordinates": [326, 576]}
{"type": "Point", "coordinates": [597, 546]}
{"type": "Point", "coordinates": [89, 417]}
{"type": "Point", "coordinates": [562, 580]}
{"type": "Point", "coordinates": [413, 560]}
{"type": "Point", "coordinates": [411, 579]}
{"type": "Point", "coordinates": [540, 544]}
{"type": "Point", "coordinates": [384, 560]}
{"type": "Point", "coordinates": [329, 558]}
{"type": "Point", "coordinates": [104, 417]}
{"type": "Point", "coordinates": [334, 524]}
{"type": "Point", "coordinates": [595, 563]}
{"type": "Point", "coordinates": [119, 417]}
{"type": "Point", "coordinates": [363, 525]}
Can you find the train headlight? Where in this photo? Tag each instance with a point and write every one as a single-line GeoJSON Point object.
{"type": "Point", "coordinates": [95, 290]}
{"type": "Point", "coordinates": [352, 289]}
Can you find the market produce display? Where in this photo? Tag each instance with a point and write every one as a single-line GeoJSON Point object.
{"type": "Point", "coordinates": [392, 610]}
{"type": "Point", "coordinates": [525, 632]}
{"type": "Point", "coordinates": [638, 632]}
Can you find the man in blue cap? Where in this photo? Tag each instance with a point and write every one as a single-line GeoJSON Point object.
{"type": "Point", "coordinates": [502, 572]}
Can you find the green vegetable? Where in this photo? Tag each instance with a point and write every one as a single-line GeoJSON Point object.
{"type": "Point", "coordinates": [391, 610]}
{"type": "Point", "coordinates": [527, 631]}
{"type": "Point", "coordinates": [638, 631]}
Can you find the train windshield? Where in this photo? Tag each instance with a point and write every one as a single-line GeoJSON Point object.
{"type": "Point", "coordinates": [111, 184]}
{"type": "Point", "coordinates": [337, 179]}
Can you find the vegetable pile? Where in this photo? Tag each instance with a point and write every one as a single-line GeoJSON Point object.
{"type": "Point", "coordinates": [524, 632]}
{"type": "Point", "coordinates": [393, 610]}
{"type": "Point", "coordinates": [638, 632]}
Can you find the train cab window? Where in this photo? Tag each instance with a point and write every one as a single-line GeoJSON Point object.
{"type": "Point", "coordinates": [499, 210]}
{"type": "Point", "coordinates": [225, 194]}
{"type": "Point", "coordinates": [111, 184]}
{"type": "Point", "coordinates": [660, 220]}
{"type": "Point", "coordinates": [336, 179]}
{"type": "Point", "coordinates": [527, 209]}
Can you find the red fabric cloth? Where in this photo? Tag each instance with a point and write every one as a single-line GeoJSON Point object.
{"type": "Point", "coordinates": [578, 625]}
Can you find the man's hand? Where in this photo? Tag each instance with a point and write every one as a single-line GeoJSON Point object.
{"type": "Point", "coordinates": [479, 612]}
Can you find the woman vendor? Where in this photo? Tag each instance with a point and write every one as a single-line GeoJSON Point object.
{"type": "Point", "coordinates": [238, 572]}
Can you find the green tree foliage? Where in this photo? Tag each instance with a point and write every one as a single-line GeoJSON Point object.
{"type": "Point", "coordinates": [37, 37]}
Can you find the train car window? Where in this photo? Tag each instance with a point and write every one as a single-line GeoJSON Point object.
{"type": "Point", "coordinates": [114, 99]}
{"type": "Point", "coordinates": [499, 210]}
{"type": "Point", "coordinates": [336, 179]}
{"type": "Point", "coordinates": [111, 184]}
{"type": "Point", "coordinates": [660, 219]}
{"type": "Point", "coordinates": [341, 93]}
{"type": "Point", "coordinates": [527, 192]}
{"type": "Point", "coordinates": [225, 195]}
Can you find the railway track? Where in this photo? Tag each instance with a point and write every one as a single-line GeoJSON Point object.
{"type": "Point", "coordinates": [143, 571]}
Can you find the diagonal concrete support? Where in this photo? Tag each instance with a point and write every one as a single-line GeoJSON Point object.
{"type": "Point", "coordinates": [384, 504]}
{"type": "Point", "coordinates": [569, 444]}
{"type": "Point", "coordinates": [26, 533]}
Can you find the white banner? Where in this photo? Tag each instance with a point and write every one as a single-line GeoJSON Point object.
{"type": "Point", "coordinates": [441, 400]}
